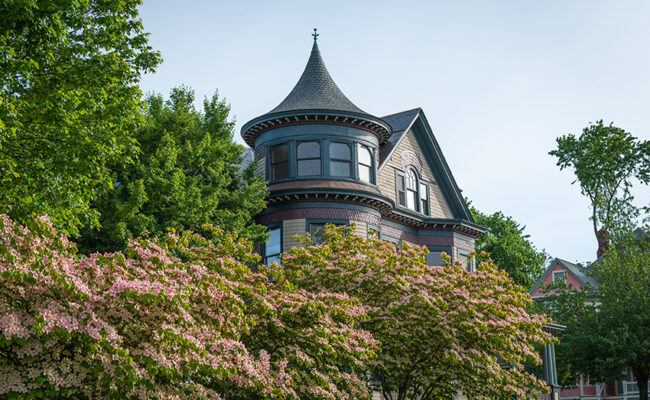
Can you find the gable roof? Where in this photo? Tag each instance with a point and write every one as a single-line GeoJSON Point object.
{"type": "Point", "coordinates": [577, 271]}
{"type": "Point", "coordinates": [403, 122]}
{"type": "Point", "coordinates": [400, 122]}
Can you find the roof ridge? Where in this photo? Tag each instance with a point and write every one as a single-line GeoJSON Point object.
{"type": "Point", "coordinates": [401, 112]}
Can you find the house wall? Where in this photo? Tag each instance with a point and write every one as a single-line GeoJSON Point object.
{"type": "Point", "coordinates": [408, 152]}
{"type": "Point", "coordinates": [571, 281]}
{"type": "Point", "coordinates": [290, 228]}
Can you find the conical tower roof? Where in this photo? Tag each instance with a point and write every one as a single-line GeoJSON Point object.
{"type": "Point", "coordinates": [316, 90]}
{"type": "Point", "coordinates": [317, 98]}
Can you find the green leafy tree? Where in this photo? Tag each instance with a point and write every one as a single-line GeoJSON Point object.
{"type": "Point", "coordinates": [511, 250]}
{"type": "Point", "coordinates": [176, 317]}
{"type": "Point", "coordinates": [442, 329]}
{"type": "Point", "coordinates": [609, 336]}
{"type": "Point", "coordinates": [606, 161]}
{"type": "Point", "coordinates": [69, 102]}
{"type": "Point", "coordinates": [188, 173]}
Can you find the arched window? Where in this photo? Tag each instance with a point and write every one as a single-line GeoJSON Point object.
{"type": "Point", "coordinates": [412, 189]}
{"type": "Point", "coordinates": [412, 192]}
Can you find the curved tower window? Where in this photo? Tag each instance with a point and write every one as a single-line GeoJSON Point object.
{"type": "Point", "coordinates": [340, 160]}
{"type": "Point", "coordinates": [279, 161]}
{"type": "Point", "coordinates": [366, 170]}
{"type": "Point", "coordinates": [411, 190]}
{"type": "Point", "coordinates": [308, 155]}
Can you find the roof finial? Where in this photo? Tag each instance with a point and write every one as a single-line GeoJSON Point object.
{"type": "Point", "coordinates": [314, 49]}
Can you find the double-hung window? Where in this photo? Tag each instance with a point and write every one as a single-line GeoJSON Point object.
{"type": "Point", "coordinates": [273, 246]}
{"type": "Point", "coordinates": [411, 190]}
{"type": "Point", "coordinates": [424, 198]}
{"type": "Point", "coordinates": [308, 155]}
{"type": "Point", "coordinates": [412, 193]}
{"type": "Point", "coordinates": [400, 184]}
{"type": "Point", "coordinates": [340, 160]}
{"type": "Point", "coordinates": [366, 170]}
{"type": "Point", "coordinates": [279, 162]}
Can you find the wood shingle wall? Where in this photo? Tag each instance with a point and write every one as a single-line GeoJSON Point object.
{"type": "Point", "coordinates": [386, 178]}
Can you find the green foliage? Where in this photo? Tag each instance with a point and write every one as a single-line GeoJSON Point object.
{"type": "Point", "coordinates": [606, 161]}
{"type": "Point", "coordinates": [442, 329]}
{"type": "Point", "coordinates": [608, 336]}
{"type": "Point", "coordinates": [69, 102]}
{"type": "Point", "coordinates": [506, 244]}
{"type": "Point", "coordinates": [188, 173]}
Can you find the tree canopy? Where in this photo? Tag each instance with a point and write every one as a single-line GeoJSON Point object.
{"type": "Point", "coordinates": [188, 173]}
{"type": "Point", "coordinates": [176, 317]}
{"type": "Point", "coordinates": [608, 326]}
{"type": "Point", "coordinates": [69, 102]}
{"type": "Point", "coordinates": [511, 250]}
{"type": "Point", "coordinates": [442, 329]}
{"type": "Point", "coordinates": [606, 161]}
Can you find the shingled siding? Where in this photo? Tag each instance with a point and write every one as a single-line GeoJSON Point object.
{"type": "Point", "coordinates": [361, 228]}
{"type": "Point", "coordinates": [290, 228]}
{"type": "Point", "coordinates": [260, 159]}
{"type": "Point", "coordinates": [386, 182]}
{"type": "Point", "coordinates": [322, 213]}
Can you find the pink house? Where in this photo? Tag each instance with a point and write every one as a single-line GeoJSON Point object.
{"type": "Point", "coordinates": [576, 276]}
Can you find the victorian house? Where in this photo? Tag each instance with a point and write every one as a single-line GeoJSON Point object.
{"type": "Point", "coordinates": [328, 161]}
{"type": "Point", "coordinates": [576, 276]}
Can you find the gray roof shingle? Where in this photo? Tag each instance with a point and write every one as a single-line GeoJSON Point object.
{"type": "Point", "coordinates": [316, 90]}
{"type": "Point", "coordinates": [400, 122]}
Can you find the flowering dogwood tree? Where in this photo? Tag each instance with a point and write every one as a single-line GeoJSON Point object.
{"type": "Point", "coordinates": [171, 318]}
{"type": "Point", "coordinates": [441, 328]}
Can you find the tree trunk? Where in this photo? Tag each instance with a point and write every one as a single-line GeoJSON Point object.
{"type": "Point", "coordinates": [642, 383]}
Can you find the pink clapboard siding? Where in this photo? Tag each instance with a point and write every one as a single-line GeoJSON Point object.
{"type": "Point", "coordinates": [571, 280]}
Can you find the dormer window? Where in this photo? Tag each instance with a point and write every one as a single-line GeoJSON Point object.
{"type": "Point", "coordinates": [366, 167]}
{"type": "Point", "coordinates": [340, 160]}
{"type": "Point", "coordinates": [279, 162]}
{"type": "Point", "coordinates": [308, 155]}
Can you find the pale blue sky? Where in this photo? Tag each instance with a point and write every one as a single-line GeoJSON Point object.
{"type": "Point", "coordinates": [498, 81]}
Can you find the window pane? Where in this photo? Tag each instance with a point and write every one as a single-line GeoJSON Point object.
{"type": "Point", "coordinates": [411, 180]}
{"type": "Point", "coordinates": [274, 259]}
{"type": "Point", "coordinates": [400, 182]}
{"type": "Point", "coordinates": [401, 198]}
{"type": "Point", "coordinates": [364, 156]}
{"type": "Point", "coordinates": [424, 206]}
{"type": "Point", "coordinates": [423, 191]}
{"type": "Point", "coordinates": [274, 243]}
{"type": "Point", "coordinates": [340, 168]}
{"type": "Point", "coordinates": [280, 153]}
{"type": "Point", "coordinates": [308, 167]}
{"type": "Point", "coordinates": [364, 173]}
{"type": "Point", "coordinates": [434, 258]}
{"type": "Point", "coordinates": [317, 233]}
{"type": "Point", "coordinates": [410, 199]}
{"type": "Point", "coordinates": [280, 171]}
{"type": "Point", "coordinates": [309, 150]}
{"type": "Point", "coordinates": [340, 151]}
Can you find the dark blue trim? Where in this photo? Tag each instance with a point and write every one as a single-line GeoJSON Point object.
{"type": "Point", "coordinates": [324, 141]}
{"type": "Point", "coordinates": [318, 204]}
{"type": "Point", "coordinates": [302, 113]}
